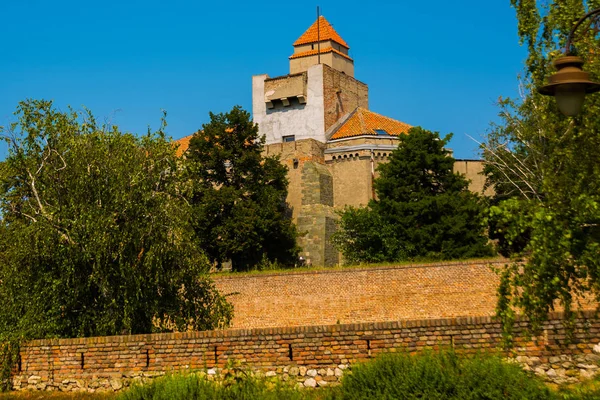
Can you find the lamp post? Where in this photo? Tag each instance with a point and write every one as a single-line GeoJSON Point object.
{"type": "Point", "coordinates": [571, 83]}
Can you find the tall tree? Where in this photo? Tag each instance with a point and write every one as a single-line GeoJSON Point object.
{"type": "Point", "coordinates": [546, 169]}
{"type": "Point", "coordinates": [94, 237]}
{"type": "Point", "coordinates": [423, 211]}
{"type": "Point", "coordinates": [239, 196]}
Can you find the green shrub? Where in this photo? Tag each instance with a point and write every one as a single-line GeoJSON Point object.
{"type": "Point", "coordinates": [586, 390]}
{"type": "Point", "coordinates": [195, 387]}
{"type": "Point", "coordinates": [439, 376]}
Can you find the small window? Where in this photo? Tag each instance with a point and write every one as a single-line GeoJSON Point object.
{"type": "Point", "coordinates": [290, 138]}
{"type": "Point", "coordinates": [312, 46]}
{"type": "Point", "coordinates": [381, 132]}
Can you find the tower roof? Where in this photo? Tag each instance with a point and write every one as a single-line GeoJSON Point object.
{"type": "Point", "coordinates": [364, 122]}
{"type": "Point", "coordinates": [320, 30]}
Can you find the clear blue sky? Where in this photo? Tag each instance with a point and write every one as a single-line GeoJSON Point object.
{"type": "Point", "coordinates": [439, 64]}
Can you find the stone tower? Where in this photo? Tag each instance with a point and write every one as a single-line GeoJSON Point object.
{"type": "Point", "coordinates": [303, 107]}
{"type": "Point", "coordinates": [314, 96]}
{"type": "Point", "coordinates": [321, 44]}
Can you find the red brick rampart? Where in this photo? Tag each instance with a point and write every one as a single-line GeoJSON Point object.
{"type": "Point", "coordinates": [351, 295]}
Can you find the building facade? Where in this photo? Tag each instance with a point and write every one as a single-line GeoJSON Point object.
{"type": "Point", "coordinates": [317, 120]}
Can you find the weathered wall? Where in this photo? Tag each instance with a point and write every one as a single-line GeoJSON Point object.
{"type": "Point", "coordinates": [342, 94]}
{"type": "Point", "coordinates": [316, 219]}
{"type": "Point", "coordinates": [293, 155]}
{"type": "Point", "coordinates": [314, 355]}
{"type": "Point", "coordinates": [352, 179]}
{"type": "Point", "coordinates": [305, 121]}
{"type": "Point", "coordinates": [353, 295]}
{"type": "Point", "coordinates": [352, 174]}
{"type": "Point", "coordinates": [472, 170]}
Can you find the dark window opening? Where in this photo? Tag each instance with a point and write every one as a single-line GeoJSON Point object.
{"type": "Point", "coordinates": [290, 138]}
{"type": "Point", "coordinates": [381, 132]}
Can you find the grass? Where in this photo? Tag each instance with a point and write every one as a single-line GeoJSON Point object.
{"type": "Point", "coordinates": [308, 269]}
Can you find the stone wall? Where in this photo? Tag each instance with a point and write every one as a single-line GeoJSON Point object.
{"type": "Point", "coordinates": [350, 295]}
{"type": "Point", "coordinates": [312, 356]}
{"type": "Point", "coordinates": [293, 155]}
{"type": "Point", "coordinates": [316, 219]}
{"type": "Point", "coordinates": [472, 170]}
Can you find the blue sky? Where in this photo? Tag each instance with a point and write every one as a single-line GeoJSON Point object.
{"type": "Point", "coordinates": [439, 64]}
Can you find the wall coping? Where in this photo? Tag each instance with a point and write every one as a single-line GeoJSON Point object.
{"type": "Point", "coordinates": [363, 326]}
{"type": "Point", "coordinates": [338, 270]}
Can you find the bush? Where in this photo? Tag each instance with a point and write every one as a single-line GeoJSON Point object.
{"type": "Point", "coordinates": [196, 387]}
{"type": "Point", "coordinates": [439, 376]}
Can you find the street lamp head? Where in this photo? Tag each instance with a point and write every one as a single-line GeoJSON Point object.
{"type": "Point", "coordinates": [569, 85]}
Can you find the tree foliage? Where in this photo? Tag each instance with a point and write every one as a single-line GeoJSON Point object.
{"type": "Point", "coordinates": [423, 209]}
{"type": "Point", "coordinates": [95, 238]}
{"type": "Point", "coordinates": [239, 196]}
{"type": "Point", "coordinates": [546, 170]}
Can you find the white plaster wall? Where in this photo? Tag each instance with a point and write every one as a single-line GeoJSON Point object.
{"type": "Point", "coordinates": [305, 121]}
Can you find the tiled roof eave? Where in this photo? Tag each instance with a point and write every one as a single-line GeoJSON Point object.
{"type": "Point", "coordinates": [303, 42]}
{"type": "Point", "coordinates": [316, 52]}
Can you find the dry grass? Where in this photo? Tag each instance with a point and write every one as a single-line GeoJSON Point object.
{"type": "Point", "coordinates": [305, 269]}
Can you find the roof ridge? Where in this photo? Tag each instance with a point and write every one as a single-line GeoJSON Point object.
{"type": "Point", "coordinates": [339, 123]}
{"type": "Point", "coordinates": [361, 117]}
{"type": "Point", "coordinates": [321, 30]}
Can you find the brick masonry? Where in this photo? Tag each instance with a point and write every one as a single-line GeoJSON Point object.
{"type": "Point", "coordinates": [342, 94]}
{"type": "Point", "coordinates": [311, 355]}
{"type": "Point", "coordinates": [375, 294]}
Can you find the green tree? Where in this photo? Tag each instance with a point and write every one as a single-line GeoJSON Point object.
{"type": "Point", "coordinates": [546, 168]}
{"type": "Point", "coordinates": [423, 209]}
{"type": "Point", "coordinates": [239, 196]}
{"type": "Point", "coordinates": [94, 237]}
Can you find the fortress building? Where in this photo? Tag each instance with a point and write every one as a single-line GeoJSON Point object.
{"type": "Point", "coordinates": [317, 119]}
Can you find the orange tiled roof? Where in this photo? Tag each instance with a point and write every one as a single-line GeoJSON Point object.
{"type": "Point", "coordinates": [322, 30]}
{"type": "Point", "coordinates": [365, 122]}
{"type": "Point", "coordinates": [316, 51]}
{"type": "Point", "coordinates": [182, 145]}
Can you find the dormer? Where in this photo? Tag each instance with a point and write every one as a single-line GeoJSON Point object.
{"type": "Point", "coordinates": [321, 44]}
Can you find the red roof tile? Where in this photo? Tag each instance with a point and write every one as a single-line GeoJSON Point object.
{"type": "Point", "coordinates": [320, 30]}
{"type": "Point", "coordinates": [365, 122]}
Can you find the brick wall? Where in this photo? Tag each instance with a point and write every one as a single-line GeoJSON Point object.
{"type": "Point", "coordinates": [352, 295]}
{"type": "Point", "coordinates": [113, 362]}
{"type": "Point", "coordinates": [341, 95]}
